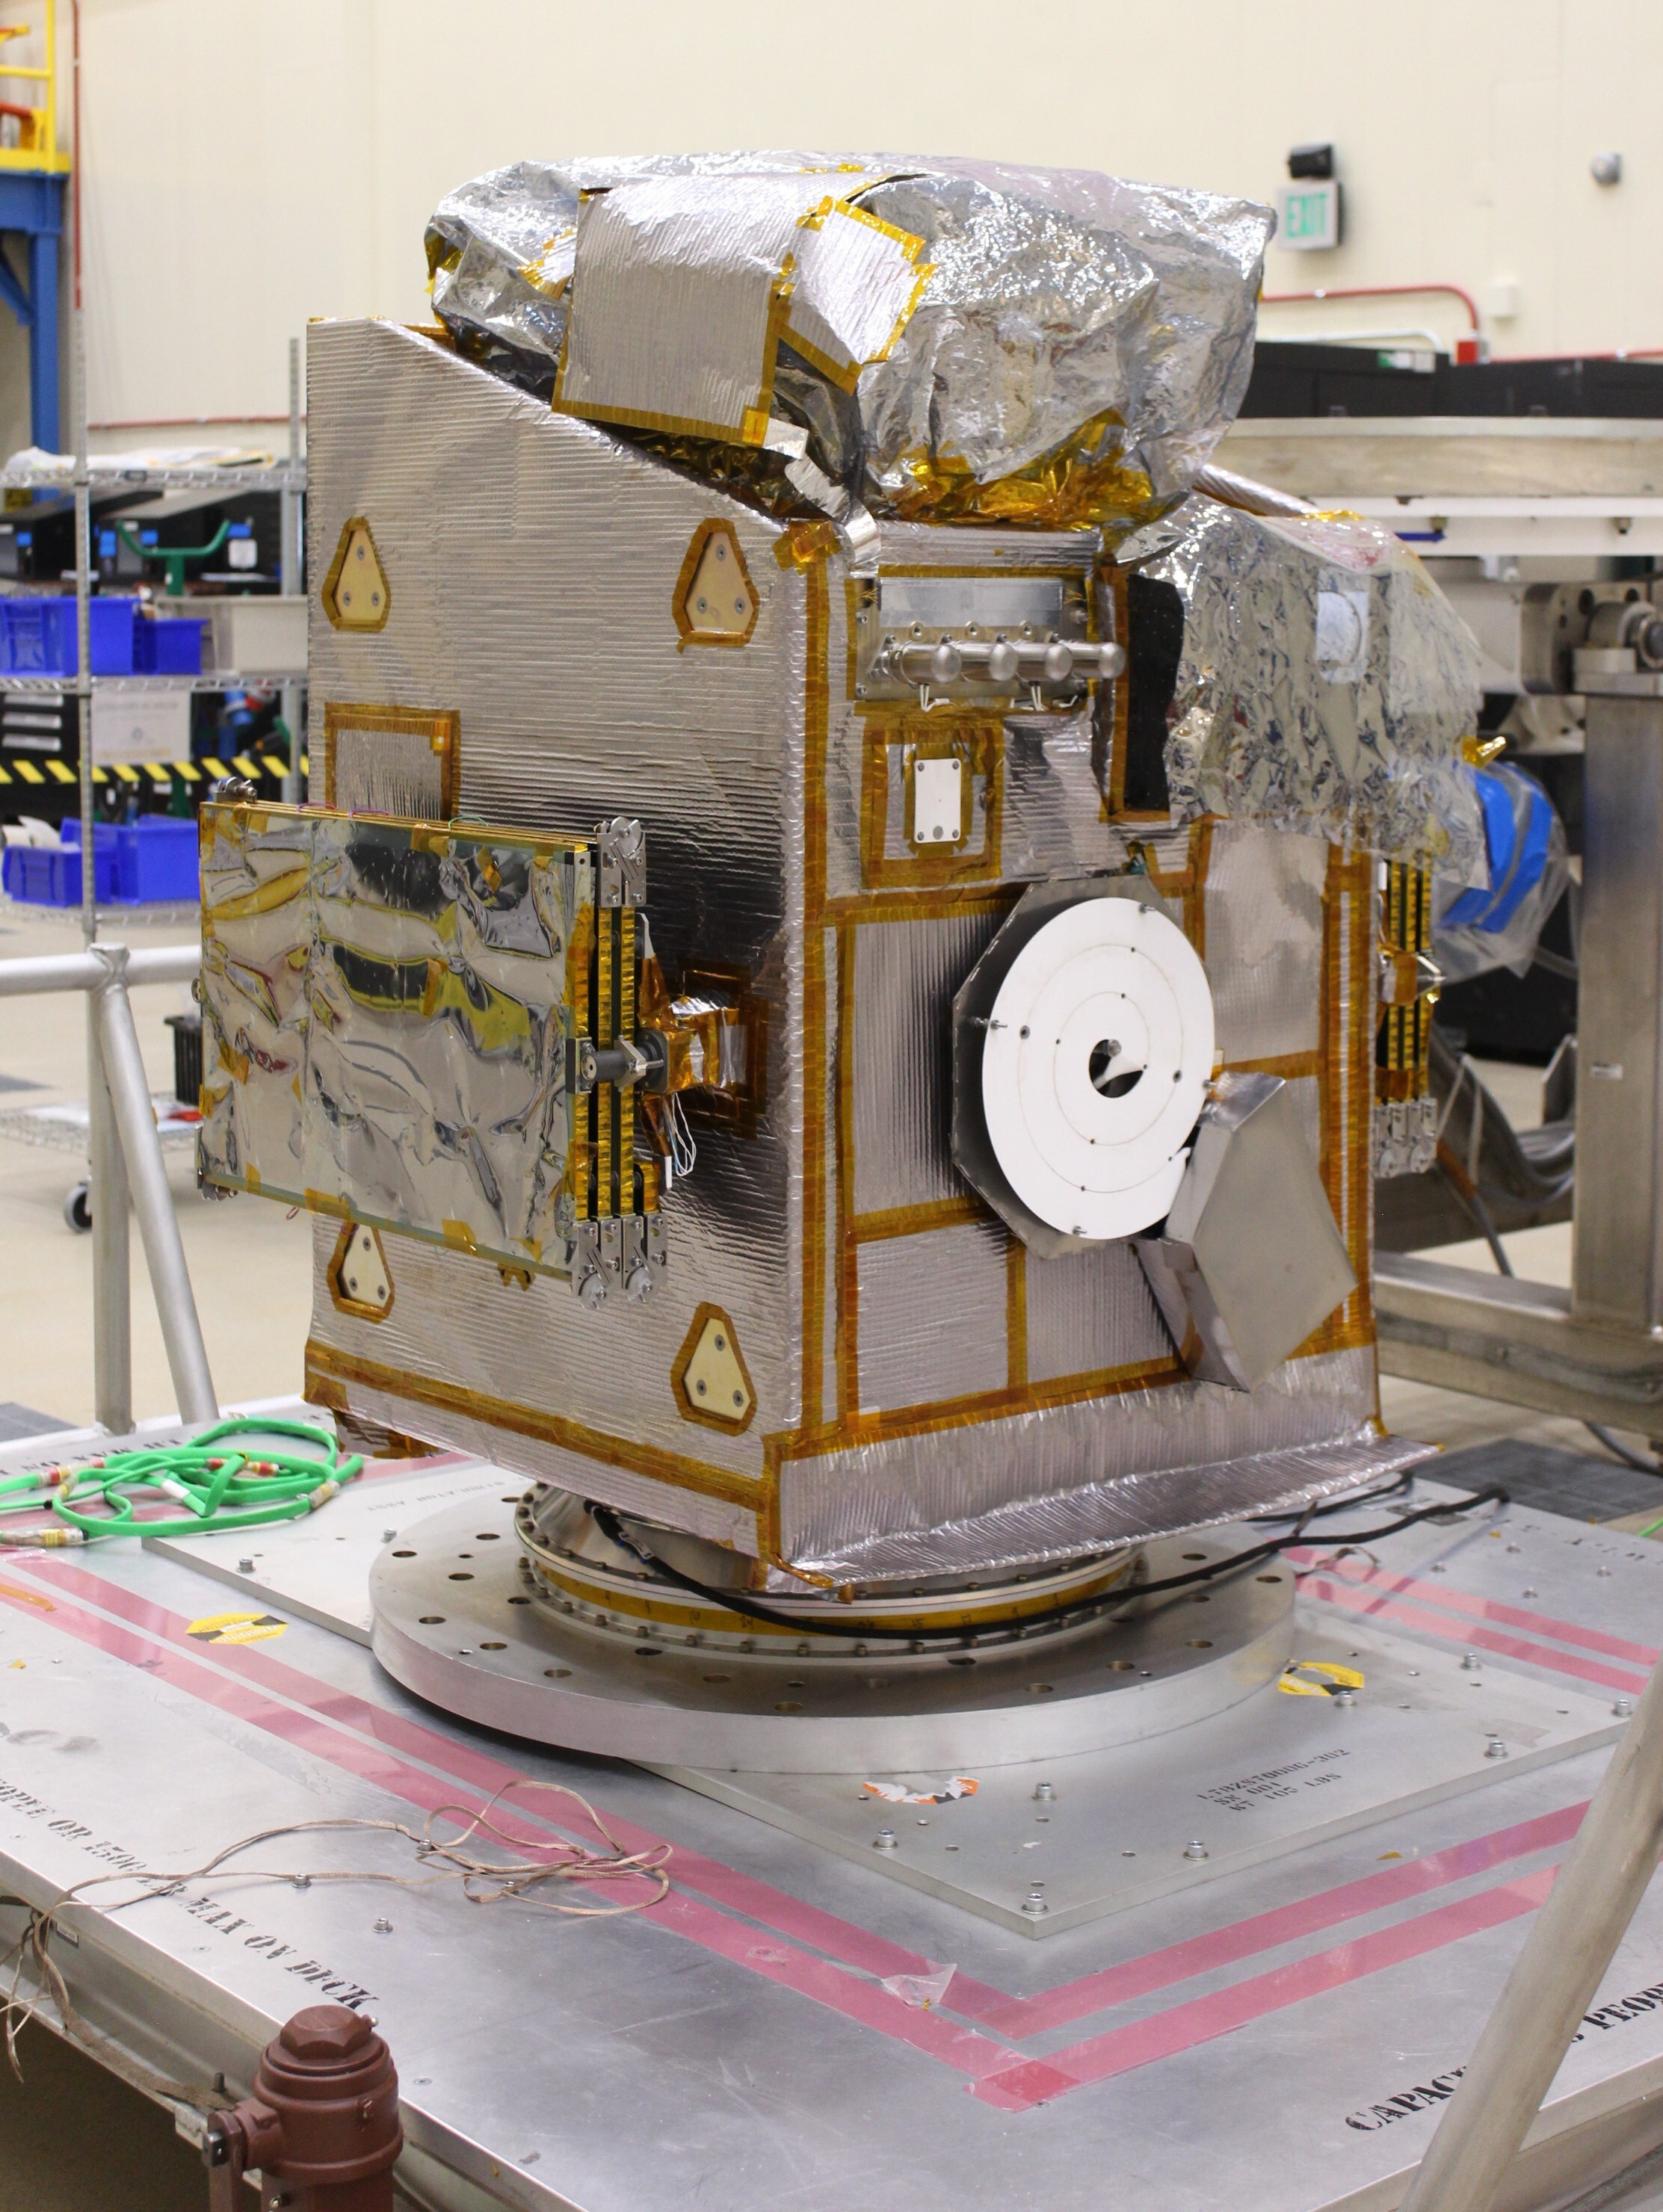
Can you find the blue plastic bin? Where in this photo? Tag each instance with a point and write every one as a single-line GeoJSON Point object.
{"type": "Point", "coordinates": [38, 636]}
{"type": "Point", "coordinates": [154, 858]}
{"type": "Point", "coordinates": [50, 875]}
{"type": "Point", "coordinates": [171, 646]}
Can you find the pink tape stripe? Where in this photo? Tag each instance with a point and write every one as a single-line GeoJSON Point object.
{"type": "Point", "coordinates": [786, 1915]}
{"type": "Point", "coordinates": [1484, 1640]}
{"type": "Point", "coordinates": [863, 2001]}
{"type": "Point", "coordinates": [1004, 2014]}
{"type": "Point", "coordinates": [1165, 2034]}
{"type": "Point", "coordinates": [1483, 1609]}
{"type": "Point", "coordinates": [1262, 1931]}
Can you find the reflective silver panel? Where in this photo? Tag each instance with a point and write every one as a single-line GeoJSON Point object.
{"type": "Point", "coordinates": [1325, 683]}
{"type": "Point", "coordinates": [383, 1021]}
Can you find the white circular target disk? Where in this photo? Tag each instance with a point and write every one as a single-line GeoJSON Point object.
{"type": "Point", "coordinates": [1098, 1052]}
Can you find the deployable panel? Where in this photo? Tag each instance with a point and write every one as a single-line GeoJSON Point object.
{"type": "Point", "coordinates": [401, 1027]}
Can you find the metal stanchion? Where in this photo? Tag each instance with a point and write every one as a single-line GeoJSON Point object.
{"type": "Point", "coordinates": [107, 1177]}
{"type": "Point", "coordinates": [129, 1095]}
{"type": "Point", "coordinates": [122, 1136]}
{"type": "Point", "coordinates": [290, 581]}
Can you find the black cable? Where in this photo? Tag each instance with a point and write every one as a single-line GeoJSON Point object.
{"type": "Point", "coordinates": [611, 1527]}
{"type": "Point", "coordinates": [1395, 1488]}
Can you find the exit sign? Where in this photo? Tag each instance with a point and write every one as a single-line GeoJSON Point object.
{"type": "Point", "coordinates": [1308, 213]}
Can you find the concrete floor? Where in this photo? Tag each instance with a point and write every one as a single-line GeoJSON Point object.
{"type": "Point", "coordinates": [72, 2138]}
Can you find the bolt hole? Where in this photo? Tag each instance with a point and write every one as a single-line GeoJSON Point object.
{"type": "Point", "coordinates": [493, 1647]}
{"type": "Point", "coordinates": [403, 1555]}
{"type": "Point", "coordinates": [463, 1577]}
{"type": "Point", "coordinates": [557, 1674]}
{"type": "Point", "coordinates": [1100, 1068]}
{"type": "Point", "coordinates": [433, 1620]}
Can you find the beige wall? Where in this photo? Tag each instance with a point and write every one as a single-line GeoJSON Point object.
{"type": "Point", "coordinates": [250, 163]}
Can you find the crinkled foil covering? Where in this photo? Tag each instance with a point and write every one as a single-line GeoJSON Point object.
{"type": "Point", "coordinates": [1131, 1509]}
{"type": "Point", "coordinates": [381, 1011]}
{"type": "Point", "coordinates": [1326, 684]}
{"type": "Point", "coordinates": [913, 1370]}
{"type": "Point", "coordinates": [1076, 350]}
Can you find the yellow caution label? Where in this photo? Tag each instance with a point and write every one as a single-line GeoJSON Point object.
{"type": "Point", "coordinates": [244, 766]}
{"type": "Point", "coordinates": [1295, 1678]}
{"type": "Point", "coordinates": [56, 768]}
{"type": "Point", "coordinates": [188, 769]}
{"type": "Point", "coordinates": [99, 775]}
{"type": "Point", "coordinates": [157, 773]}
{"type": "Point", "coordinates": [273, 766]}
{"type": "Point", "coordinates": [236, 1627]}
{"type": "Point", "coordinates": [4, 776]}
{"type": "Point", "coordinates": [126, 771]}
{"type": "Point", "coordinates": [28, 771]}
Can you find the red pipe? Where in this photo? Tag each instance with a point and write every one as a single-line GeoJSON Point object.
{"type": "Point", "coordinates": [1376, 292]}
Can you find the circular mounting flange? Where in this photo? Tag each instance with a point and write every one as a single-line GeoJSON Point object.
{"type": "Point", "coordinates": [1098, 1055]}
{"type": "Point", "coordinates": [461, 1619]}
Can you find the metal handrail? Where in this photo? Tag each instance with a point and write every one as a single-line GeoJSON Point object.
{"type": "Point", "coordinates": [132, 1162]}
{"type": "Point", "coordinates": [1571, 1942]}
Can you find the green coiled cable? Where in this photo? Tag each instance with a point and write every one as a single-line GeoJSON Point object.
{"type": "Point", "coordinates": [221, 1484]}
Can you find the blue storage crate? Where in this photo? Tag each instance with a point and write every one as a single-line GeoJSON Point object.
{"type": "Point", "coordinates": [139, 862]}
{"type": "Point", "coordinates": [38, 636]}
{"type": "Point", "coordinates": [169, 646]}
{"type": "Point", "coordinates": [156, 859]}
{"type": "Point", "coordinates": [50, 875]}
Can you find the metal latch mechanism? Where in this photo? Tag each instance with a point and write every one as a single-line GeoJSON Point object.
{"type": "Point", "coordinates": [632, 1042]}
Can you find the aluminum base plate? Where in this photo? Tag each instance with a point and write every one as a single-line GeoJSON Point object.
{"type": "Point", "coordinates": [458, 1621]}
{"type": "Point", "coordinates": [1274, 1774]}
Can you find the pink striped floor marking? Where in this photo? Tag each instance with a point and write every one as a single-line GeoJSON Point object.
{"type": "Point", "coordinates": [858, 1999]}
{"type": "Point", "coordinates": [1142, 2042]}
{"type": "Point", "coordinates": [1481, 1608]}
{"type": "Point", "coordinates": [1016, 2017]}
{"type": "Point", "coordinates": [1483, 1639]}
{"type": "Point", "coordinates": [971, 1999]}
{"type": "Point", "coordinates": [1264, 1931]}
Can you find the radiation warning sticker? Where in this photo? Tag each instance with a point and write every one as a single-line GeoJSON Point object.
{"type": "Point", "coordinates": [236, 1627]}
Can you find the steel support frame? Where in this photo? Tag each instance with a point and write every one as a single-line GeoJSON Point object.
{"type": "Point", "coordinates": [1572, 1941]}
{"type": "Point", "coordinates": [32, 207]}
{"type": "Point", "coordinates": [127, 1165]}
{"type": "Point", "coordinates": [1594, 1352]}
